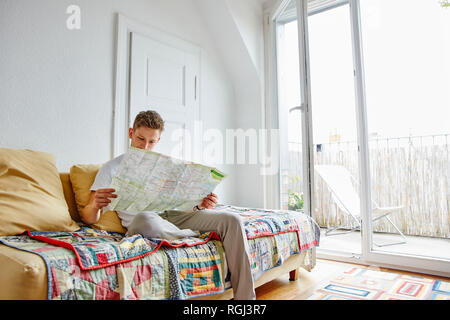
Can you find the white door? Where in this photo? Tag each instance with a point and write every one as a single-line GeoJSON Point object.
{"type": "Point", "coordinates": [165, 78]}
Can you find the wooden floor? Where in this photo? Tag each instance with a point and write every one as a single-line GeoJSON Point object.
{"type": "Point", "coordinates": [308, 282]}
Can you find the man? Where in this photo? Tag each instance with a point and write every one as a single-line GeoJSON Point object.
{"type": "Point", "coordinates": [145, 134]}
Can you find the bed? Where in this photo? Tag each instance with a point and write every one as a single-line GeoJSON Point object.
{"type": "Point", "coordinates": [103, 265]}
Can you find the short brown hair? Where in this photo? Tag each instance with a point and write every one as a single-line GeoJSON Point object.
{"type": "Point", "coordinates": [150, 119]}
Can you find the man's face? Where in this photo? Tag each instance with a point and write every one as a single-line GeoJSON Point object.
{"type": "Point", "coordinates": [144, 138]}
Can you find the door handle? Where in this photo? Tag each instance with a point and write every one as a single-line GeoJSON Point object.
{"type": "Point", "coordinates": [301, 108]}
{"type": "Point", "coordinates": [195, 88]}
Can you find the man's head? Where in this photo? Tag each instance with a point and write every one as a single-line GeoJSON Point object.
{"type": "Point", "coordinates": [146, 130]}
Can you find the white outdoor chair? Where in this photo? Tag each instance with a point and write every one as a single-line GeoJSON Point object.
{"type": "Point", "coordinates": [339, 182]}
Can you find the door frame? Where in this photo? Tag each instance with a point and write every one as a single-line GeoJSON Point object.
{"type": "Point", "coordinates": [121, 111]}
{"type": "Point", "coordinates": [305, 107]}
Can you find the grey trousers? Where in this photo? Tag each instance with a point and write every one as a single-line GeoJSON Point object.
{"type": "Point", "coordinates": [231, 231]}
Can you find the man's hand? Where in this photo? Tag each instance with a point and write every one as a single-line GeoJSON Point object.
{"type": "Point", "coordinates": [99, 199]}
{"type": "Point", "coordinates": [209, 201]}
{"type": "Point", "coordinates": [102, 196]}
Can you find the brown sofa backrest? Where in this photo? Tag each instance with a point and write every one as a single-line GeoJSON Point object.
{"type": "Point", "coordinates": [70, 196]}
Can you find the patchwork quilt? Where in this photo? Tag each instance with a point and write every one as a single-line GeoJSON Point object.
{"type": "Point", "coordinates": [96, 264]}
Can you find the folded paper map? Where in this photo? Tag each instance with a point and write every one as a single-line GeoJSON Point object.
{"type": "Point", "coordinates": [150, 181]}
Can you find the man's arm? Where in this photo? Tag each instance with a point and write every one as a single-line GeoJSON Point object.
{"type": "Point", "coordinates": [208, 202]}
{"type": "Point", "coordinates": [97, 200]}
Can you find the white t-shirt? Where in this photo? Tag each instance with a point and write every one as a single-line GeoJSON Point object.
{"type": "Point", "coordinates": [103, 180]}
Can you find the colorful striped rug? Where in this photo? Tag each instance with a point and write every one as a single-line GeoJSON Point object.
{"type": "Point", "coordinates": [367, 284]}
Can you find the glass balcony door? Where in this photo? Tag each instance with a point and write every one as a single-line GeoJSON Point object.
{"type": "Point", "coordinates": [293, 107]}
{"type": "Point", "coordinates": [407, 97]}
{"type": "Point", "coordinates": [336, 183]}
{"type": "Point", "coordinates": [363, 107]}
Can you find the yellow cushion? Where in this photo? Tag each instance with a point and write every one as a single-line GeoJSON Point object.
{"type": "Point", "coordinates": [31, 193]}
{"type": "Point", "coordinates": [110, 221]}
{"type": "Point", "coordinates": [82, 177]}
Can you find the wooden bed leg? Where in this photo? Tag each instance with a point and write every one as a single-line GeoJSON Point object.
{"type": "Point", "coordinates": [293, 275]}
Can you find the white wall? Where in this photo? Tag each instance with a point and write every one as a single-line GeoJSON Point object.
{"type": "Point", "coordinates": [239, 26]}
{"type": "Point", "coordinates": [57, 85]}
{"type": "Point", "coordinates": [56, 91]}
{"type": "Point", "coordinates": [248, 16]}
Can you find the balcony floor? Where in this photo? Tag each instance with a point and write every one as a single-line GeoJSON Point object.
{"type": "Point", "coordinates": [420, 246]}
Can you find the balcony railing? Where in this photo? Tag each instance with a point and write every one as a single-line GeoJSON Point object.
{"type": "Point", "coordinates": [412, 172]}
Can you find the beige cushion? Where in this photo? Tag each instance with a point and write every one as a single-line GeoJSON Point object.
{"type": "Point", "coordinates": [82, 177]}
{"type": "Point", "coordinates": [31, 193]}
{"type": "Point", "coordinates": [110, 221]}
{"type": "Point", "coordinates": [69, 195]}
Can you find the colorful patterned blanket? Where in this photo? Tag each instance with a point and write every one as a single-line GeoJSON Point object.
{"type": "Point", "coordinates": [96, 249]}
{"type": "Point", "coordinates": [262, 222]}
{"type": "Point", "coordinates": [95, 264]}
